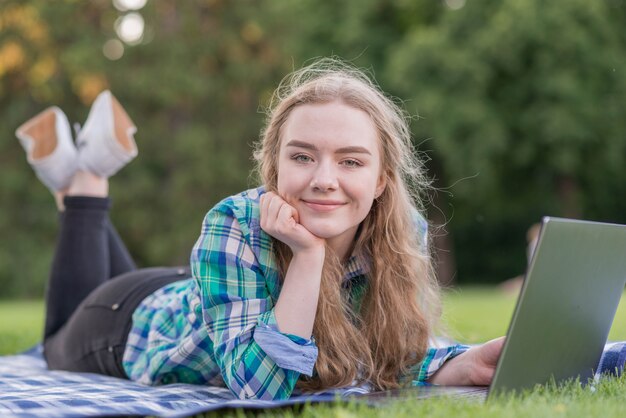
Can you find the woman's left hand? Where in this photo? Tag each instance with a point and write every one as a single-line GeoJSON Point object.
{"type": "Point", "coordinates": [475, 367]}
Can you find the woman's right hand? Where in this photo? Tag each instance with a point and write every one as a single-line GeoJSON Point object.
{"type": "Point", "coordinates": [297, 303]}
{"type": "Point", "coordinates": [280, 220]}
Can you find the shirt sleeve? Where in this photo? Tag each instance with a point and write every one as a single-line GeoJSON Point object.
{"type": "Point", "coordinates": [433, 360]}
{"type": "Point", "coordinates": [256, 360]}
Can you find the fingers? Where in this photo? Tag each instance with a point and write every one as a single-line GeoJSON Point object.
{"type": "Point", "coordinates": [263, 204]}
{"type": "Point", "coordinates": [490, 353]}
{"type": "Point", "coordinates": [493, 349]}
{"type": "Point", "coordinates": [285, 216]}
{"type": "Point", "coordinates": [274, 210]}
{"type": "Point", "coordinates": [277, 216]}
{"type": "Point", "coordinates": [483, 360]}
{"type": "Point", "coordinates": [280, 220]}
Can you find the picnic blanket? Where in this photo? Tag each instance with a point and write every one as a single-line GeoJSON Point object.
{"type": "Point", "coordinates": [28, 388]}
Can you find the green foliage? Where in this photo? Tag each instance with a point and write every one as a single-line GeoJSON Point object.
{"type": "Point", "coordinates": [521, 97]}
{"type": "Point", "coordinates": [193, 90]}
{"type": "Point", "coordinates": [523, 102]}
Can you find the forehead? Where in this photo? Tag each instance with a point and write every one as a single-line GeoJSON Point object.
{"type": "Point", "coordinates": [330, 125]}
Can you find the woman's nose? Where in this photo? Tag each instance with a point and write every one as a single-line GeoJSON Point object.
{"type": "Point", "coordinates": [324, 178]}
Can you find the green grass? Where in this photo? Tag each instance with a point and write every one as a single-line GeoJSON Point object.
{"type": "Point", "coordinates": [472, 315]}
{"type": "Point", "coordinates": [476, 314]}
{"type": "Point", "coordinates": [607, 401]}
{"type": "Point", "coordinates": [21, 325]}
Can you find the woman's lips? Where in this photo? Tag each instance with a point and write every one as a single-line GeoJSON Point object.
{"type": "Point", "coordinates": [323, 205]}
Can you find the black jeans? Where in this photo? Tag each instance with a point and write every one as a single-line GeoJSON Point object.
{"type": "Point", "coordinates": [93, 290]}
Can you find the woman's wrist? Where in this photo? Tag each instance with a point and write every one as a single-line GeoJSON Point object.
{"type": "Point", "coordinates": [312, 255]}
{"type": "Point", "coordinates": [454, 372]}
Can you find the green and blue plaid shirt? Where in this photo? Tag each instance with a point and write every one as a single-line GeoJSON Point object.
{"type": "Point", "coordinates": [218, 328]}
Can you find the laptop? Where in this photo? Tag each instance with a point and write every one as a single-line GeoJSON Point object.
{"type": "Point", "coordinates": [563, 315]}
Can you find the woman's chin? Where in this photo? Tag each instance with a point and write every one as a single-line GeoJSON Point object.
{"type": "Point", "coordinates": [330, 230]}
{"type": "Point", "coordinates": [322, 231]}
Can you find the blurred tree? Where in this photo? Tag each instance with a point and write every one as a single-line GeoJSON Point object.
{"type": "Point", "coordinates": [524, 103]}
{"type": "Point", "coordinates": [364, 32]}
{"type": "Point", "coordinates": [192, 85]}
{"type": "Point", "coordinates": [359, 31]}
{"type": "Point", "coordinates": [526, 95]}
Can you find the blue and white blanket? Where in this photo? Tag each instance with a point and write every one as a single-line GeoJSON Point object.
{"type": "Point", "coordinates": [27, 388]}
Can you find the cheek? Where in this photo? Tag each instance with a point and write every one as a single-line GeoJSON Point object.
{"type": "Point", "coordinates": [282, 176]}
{"type": "Point", "coordinates": [364, 188]}
{"type": "Point", "coordinates": [289, 183]}
{"type": "Point", "coordinates": [283, 183]}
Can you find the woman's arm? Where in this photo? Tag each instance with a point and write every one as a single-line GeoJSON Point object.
{"type": "Point", "coordinates": [297, 303]}
{"type": "Point", "coordinates": [233, 264]}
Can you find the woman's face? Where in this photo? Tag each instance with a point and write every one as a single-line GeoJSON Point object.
{"type": "Point", "coordinates": [329, 169]}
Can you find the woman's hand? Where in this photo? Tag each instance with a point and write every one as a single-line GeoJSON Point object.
{"type": "Point", "coordinates": [475, 367]}
{"type": "Point", "coordinates": [297, 304]}
{"type": "Point", "coordinates": [281, 220]}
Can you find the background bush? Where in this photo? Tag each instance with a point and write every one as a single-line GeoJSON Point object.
{"type": "Point", "coordinates": [519, 108]}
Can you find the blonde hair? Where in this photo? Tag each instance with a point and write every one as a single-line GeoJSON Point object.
{"type": "Point", "coordinates": [401, 304]}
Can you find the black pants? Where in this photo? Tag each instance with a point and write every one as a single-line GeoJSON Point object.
{"type": "Point", "coordinates": [93, 290]}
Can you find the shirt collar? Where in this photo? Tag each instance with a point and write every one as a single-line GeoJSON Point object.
{"type": "Point", "coordinates": [357, 265]}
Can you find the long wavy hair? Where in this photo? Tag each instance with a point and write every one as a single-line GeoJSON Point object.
{"type": "Point", "coordinates": [401, 304]}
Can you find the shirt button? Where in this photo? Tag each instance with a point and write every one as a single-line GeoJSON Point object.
{"type": "Point", "coordinates": [110, 349]}
{"type": "Point", "coordinates": [180, 272]}
{"type": "Point", "coordinates": [115, 306]}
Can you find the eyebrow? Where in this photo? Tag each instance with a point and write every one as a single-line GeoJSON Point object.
{"type": "Point", "coordinates": [344, 150]}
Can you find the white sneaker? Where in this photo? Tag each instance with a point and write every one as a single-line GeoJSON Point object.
{"type": "Point", "coordinates": [105, 143]}
{"type": "Point", "coordinates": [50, 150]}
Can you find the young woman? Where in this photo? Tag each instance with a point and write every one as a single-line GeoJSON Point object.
{"type": "Point", "coordinates": [321, 278]}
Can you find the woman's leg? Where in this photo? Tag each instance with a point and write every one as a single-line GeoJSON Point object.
{"type": "Point", "coordinates": [88, 253]}
{"type": "Point", "coordinates": [94, 338]}
{"type": "Point", "coordinates": [81, 260]}
{"type": "Point", "coordinates": [120, 259]}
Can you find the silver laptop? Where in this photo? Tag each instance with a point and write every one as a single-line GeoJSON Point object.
{"type": "Point", "coordinates": [564, 312]}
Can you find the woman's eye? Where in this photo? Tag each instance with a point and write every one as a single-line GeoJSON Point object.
{"type": "Point", "coordinates": [301, 158]}
{"type": "Point", "coordinates": [351, 163]}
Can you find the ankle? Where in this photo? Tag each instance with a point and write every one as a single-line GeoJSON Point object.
{"type": "Point", "coordinates": [85, 183]}
{"type": "Point", "coordinates": [59, 195]}
{"type": "Point", "coordinates": [80, 203]}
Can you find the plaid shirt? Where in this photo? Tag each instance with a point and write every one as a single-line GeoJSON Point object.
{"type": "Point", "coordinates": [219, 327]}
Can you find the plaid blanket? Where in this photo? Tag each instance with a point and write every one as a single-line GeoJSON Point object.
{"type": "Point", "coordinates": [27, 388]}
{"type": "Point", "coordinates": [613, 359]}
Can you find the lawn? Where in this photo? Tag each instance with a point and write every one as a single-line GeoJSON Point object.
{"type": "Point", "coordinates": [477, 314]}
{"type": "Point", "coordinates": [21, 325]}
{"type": "Point", "coordinates": [471, 315]}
